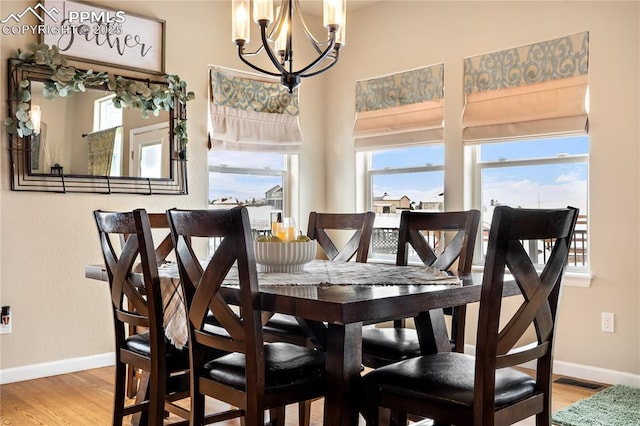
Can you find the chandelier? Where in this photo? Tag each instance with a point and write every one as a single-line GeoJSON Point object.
{"type": "Point", "coordinates": [277, 36]}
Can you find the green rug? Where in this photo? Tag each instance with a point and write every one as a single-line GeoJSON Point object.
{"type": "Point", "coordinates": [614, 406]}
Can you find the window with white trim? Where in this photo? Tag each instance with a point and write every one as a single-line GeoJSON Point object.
{"type": "Point", "coordinates": [525, 126]}
{"type": "Point", "coordinates": [259, 181]}
{"type": "Point", "coordinates": [106, 116]}
{"type": "Point", "coordinates": [536, 173]}
{"type": "Point", "coordinates": [407, 178]}
{"type": "Point", "coordinates": [255, 140]}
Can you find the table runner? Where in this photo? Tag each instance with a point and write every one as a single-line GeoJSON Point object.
{"type": "Point", "coordinates": [175, 316]}
{"type": "Point", "coordinates": [326, 273]}
{"type": "Point", "coordinates": [316, 273]}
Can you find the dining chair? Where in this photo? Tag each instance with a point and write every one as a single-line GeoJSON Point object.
{"type": "Point", "coordinates": [282, 327]}
{"type": "Point", "coordinates": [455, 388]}
{"type": "Point", "coordinates": [254, 376]}
{"type": "Point", "coordinates": [286, 328]}
{"type": "Point", "coordinates": [357, 245]}
{"type": "Point", "coordinates": [137, 302]}
{"type": "Point", "coordinates": [162, 252]}
{"type": "Point", "coordinates": [439, 239]}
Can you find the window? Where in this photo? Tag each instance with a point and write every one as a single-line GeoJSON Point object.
{"type": "Point", "coordinates": [539, 173]}
{"type": "Point", "coordinates": [106, 116]}
{"type": "Point", "coordinates": [255, 139]}
{"type": "Point", "coordinates": [259, 181]}
{"type": "Point", "coordinates": [410, 178]}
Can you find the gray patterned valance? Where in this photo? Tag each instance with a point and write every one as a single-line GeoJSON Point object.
{"type": "Point", "coordinates": [529, 91]}
{"type": "Point", "coordinates": [405, 88]}
{"type": "Point", "coordinates": [400, 109]}
{"type": "Point", "coordinates": [253, 113]}
{"type": "Point", "coordinates": [535, 63]}
{"type": "Point", "coordinates": [251, 94]}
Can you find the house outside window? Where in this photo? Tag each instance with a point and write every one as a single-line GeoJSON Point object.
{"type": "Point", "coordinates": [410, 178]}
{"type": "Point", "coordinates": [275, 197]}
{"type": "Point", "coordinates": [258, 181]}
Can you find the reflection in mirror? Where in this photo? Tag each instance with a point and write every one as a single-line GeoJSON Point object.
{"type": "Point", "coordinates": [86, 134]}
{"type": "Point", "coordinates": [75, 139]}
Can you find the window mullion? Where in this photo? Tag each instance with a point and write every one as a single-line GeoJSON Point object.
{"type": "Point", "coordinates": [246, 171]}
{"type": "Point", "coordinates": [400, 170]}
{"type": "Point", "coordinates": [534, 162]}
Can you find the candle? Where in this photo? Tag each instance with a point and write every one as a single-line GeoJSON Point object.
{"type": "Point", "coordinates": [263, 10]}
{"type": "Point", "coordinates": [240, 21]}
{"type": "Point", "coordinates": [333, 13]}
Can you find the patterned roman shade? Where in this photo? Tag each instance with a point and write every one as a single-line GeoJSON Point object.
{"type": "Point", "coordinates": [534, 90]}
{"type": "Point", "coordinates": [400, 109]}
{"type": "Point", "coordinates": [253, 113]}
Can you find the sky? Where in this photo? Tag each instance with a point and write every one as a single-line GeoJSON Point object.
{"type": "Point", "coordinates": [525, 186]}
{"type": "Point", "coordinates": [556, 185]}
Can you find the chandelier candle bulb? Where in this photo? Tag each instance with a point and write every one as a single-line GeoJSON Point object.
{"type": "Point", "coordinates": [240, 21]}
{"type": "Point", "coordinates": [263, 10]}
{"type": "Point", "coordinates": [340, 36]}
{"type": "Point", "coordinates": [333, 14]}
{"type": "Point", "coordinates": [281, 42]}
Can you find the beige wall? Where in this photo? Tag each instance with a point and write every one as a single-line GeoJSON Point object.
{"type": "Point", "coordinates": [426, 32]}
{"type": "Point", "coordinates": [46, 239]}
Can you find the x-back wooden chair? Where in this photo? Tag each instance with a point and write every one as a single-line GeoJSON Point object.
{"type": "Point", "coordinates": [422, 231]}
{"type": "Point", "coordinates": [287, 328]}
{"type": "Point", "coordinates": [357, 245]}
{"type": "Point", "coordinates": [454, 388]}
{"type": "Point", "coordinates": [137, 302]}
{"type": "Point", "coordinates": [254, 376]}
{"type": "Point", "coordinates": [162, 252]}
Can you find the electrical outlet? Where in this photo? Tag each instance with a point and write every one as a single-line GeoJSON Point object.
{"type": "Point", "coordinates": [5, 320]}
{"type": "Point", "coordinates": [607, 322]}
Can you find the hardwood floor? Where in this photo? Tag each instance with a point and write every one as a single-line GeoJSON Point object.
{"type": "Point", "coordinates": [84, 398]}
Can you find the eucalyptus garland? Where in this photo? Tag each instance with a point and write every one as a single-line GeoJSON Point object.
{"type": "Point", "coordinates": [150, 98]}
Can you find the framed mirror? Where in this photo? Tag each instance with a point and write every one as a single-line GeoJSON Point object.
{"type": "Point", "coordinates": [95, 133]}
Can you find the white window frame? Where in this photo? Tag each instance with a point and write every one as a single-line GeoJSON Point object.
{"type": "Point", "coordinates": [289, 174]}
{"type": "Point", "coordinates": [370, 173]}
{"type": "Point", "coordinates": [575, 275]}
{"type": "Point", "coordinates": [118, 151]}
{"type": "Point", "coordinates": [97, 111]}
{"type": "Point", "coordinates": [290, 180]}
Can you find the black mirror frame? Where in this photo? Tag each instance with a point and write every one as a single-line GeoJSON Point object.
{"type": "Point", "coordinates": [22, 179]}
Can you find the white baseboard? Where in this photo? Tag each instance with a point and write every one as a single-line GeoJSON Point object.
{"type": "Point", "coordinates": [584, 372]}
{"type": "Point", "coordinates": [596, 374]}
{"type": "Point", "coordinates": [36, 371]}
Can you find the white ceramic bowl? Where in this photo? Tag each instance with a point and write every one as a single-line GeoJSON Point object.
{"type": "Point", "coordinates": [284, 257]}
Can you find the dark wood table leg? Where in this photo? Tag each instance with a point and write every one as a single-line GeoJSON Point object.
{"type": "Point", "coordinates": [432, 332]}
{"type": "Point", "coordinates": [344, 361]}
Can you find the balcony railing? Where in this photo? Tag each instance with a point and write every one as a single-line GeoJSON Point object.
{"type": "Point", "coordinates": [384, 241]}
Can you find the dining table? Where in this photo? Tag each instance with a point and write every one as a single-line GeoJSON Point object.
{"type": "Point", "coordinates": [337, 299]}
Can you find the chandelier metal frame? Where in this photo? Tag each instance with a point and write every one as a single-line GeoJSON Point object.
{"type": "Point", "coordinates": [282, 59]}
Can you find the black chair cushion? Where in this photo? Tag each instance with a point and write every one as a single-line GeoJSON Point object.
{"type": "Point", "coordinates": [287, 366]}
{"type": "Point", "coordinates": [391, 343]}
{"type": "Point", "coordinates": [445, 379]}
{"type": "Point", "coordinates": [285, 324]}
{"type": "Point", "coordinates": [141, 344]}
